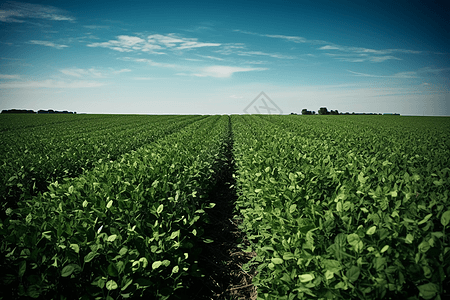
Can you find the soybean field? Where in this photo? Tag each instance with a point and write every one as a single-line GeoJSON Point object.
{"type": "Point", "coordinates": [224, 207]}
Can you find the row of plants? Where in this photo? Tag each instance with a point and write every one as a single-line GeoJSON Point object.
{"type": "Point", "coordinates": [128, 228]}
{"type": "Point", "coordinates": [342, 209]}
{"type": "Point", "coordinates": [33, 157]}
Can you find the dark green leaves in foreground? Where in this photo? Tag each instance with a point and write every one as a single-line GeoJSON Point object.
{"type": "Point", "coordinates": [345, 208]}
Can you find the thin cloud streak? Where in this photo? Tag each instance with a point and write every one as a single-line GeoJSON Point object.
{"type": "Point", "coordinates": [50, 84]}
{"type": "Point", "coordinates": [16, 12]}
{"type": "Point", "coordinates": [48, 44]}
{"type": "Point", "coordinates": [153, 43]}
{"type": "Point", "coordinates": [4, 76]}
{"type": "Point", "coordinates": [397, 75]}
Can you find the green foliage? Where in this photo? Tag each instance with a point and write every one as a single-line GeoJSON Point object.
{"type": "Point", "coordinates": [345, 208]}
{"type": "Point", "coordinates": [123, 229]}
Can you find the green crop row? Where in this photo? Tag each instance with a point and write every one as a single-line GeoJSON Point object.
{"type": "Point", "coordinates": [127, 228]}
{"type": "Point", "coordinates": [32, 157]}
{"type": "Point", "coordinates": [340, 208]}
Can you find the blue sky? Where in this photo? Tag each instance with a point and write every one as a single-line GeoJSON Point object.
{"type": "Point", "coordinates": [216, 57]}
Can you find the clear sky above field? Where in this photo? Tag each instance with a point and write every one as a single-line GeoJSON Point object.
{"type": "Point", "coordinates": [217, 56]}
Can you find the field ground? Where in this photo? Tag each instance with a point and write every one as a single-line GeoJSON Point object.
{"type": "Point", "coordinates": [224, 207]}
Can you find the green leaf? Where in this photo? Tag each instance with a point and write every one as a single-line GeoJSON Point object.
{"type": "Point", "coordinates": [306, 277]}
{"type": "Point", "coordinates": [371, 230]}
{"type": "Point", "coordinates": [71, 189]}
{"type": "Point", "coordinates": [22, 268]}
{"type": "Point", "coordinates": [424, 246]}
{"type": "Point", "coordinates": [67, 271]}
{"type": "Point", "coordinates": [288, 256]}
{"type": "Point", "coordinates": [156, 264]}
{"type": "Point", "coordinates": [175, 269]}
{"type": "Point", "coordinates": [361, 178]}
{"type": "Point", "coordinates": [427, 217]}
{"type": "Point", "coordinates": [384, 249]}
{"type": "Point", "coordinates": [353, 239]}
{"type": "Point", "coordinates": [85, 203]}
{"type": "Point", "coordinates": [75, 248]}
{"type": "Point", "coordinates": [277, 260]}
{"type": "Point", "coordinates": [110, 203]}
{"type": "Point", "coordinates": [123, 251]}
{"type": "Point", "coordinates": [112, 238]}
{"type": "Point", "coordinates": [292, 208]}
{"type": "Point", "coordinates": [90, 256]}
{"type": "Point", "coordinates": [428, 291]}
{"type": "Point", "coordinates": [112, 270]}
{"type": "Point", "coordinates": [160, 209]}
{"type": "Point", "coordinates": [111, 285]}
{"type": "Point", "coordinates": [144, 262]}
{"type": "Point", "coordinates": [445, 218]}
{"type": "Point", "coordinates": [353, 273]}
{"type": "Point", "coordinates": [409, 238]}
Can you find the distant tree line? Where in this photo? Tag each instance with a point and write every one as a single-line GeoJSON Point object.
{"type": "Point", "coordinates": [324, 111]}
{"type": "Point", "coordinates": [41, 111]}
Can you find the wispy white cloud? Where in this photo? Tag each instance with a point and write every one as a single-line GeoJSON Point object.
{"type": "Point", "coordinates": [48, 44]}
{"type": "Point", "coordinates": [53, 84]}
{"type": "Point", "coordinates": [92, 72]}
{"type": "Point", "coordinates": [382, 58]}
{"type": "Point", "coordinates": [208, 71]}
{"type": "Point", "coordinates": [5, 76]}
{"type": "Point", "coordinates": [223, 71]}
{"type": "Point", "coordinates": [96, 27]}
{"type": "Point", "coordinates": [354, 53]}
{"type": "Point", "coordinates": [274, 55]}
{"type": "Point", "coordinates": [211, 57]}
{"type": "Point", "coordinates": [153, 43]}
{"type": "Point", "coordinates": [16, 12]}
{"type": "Point", "coordinates": [396, 75]}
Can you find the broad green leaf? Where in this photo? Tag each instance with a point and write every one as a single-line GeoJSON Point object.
{"type": "Point", "coordinates": [292, 208]}
{"type": "Point", "coordinates": [123, 251]}
{"type": "Point", "coordinates": [90, 256]}
{"type": "Point", "coordinates": [67, 271]}
{"type": "Point", "coordinates": [71, 189]}
{"type": "Point", "coordinates": [361, 178]}
{"type": "Point", "coordinates": [445, 218]}
{"type": "Point", "coordinates": [371, 230]}
{"type": "Point", "coordinates": [427, 217]}
{"type": "Point", "coordinates": [353, 273]}
{"type": "Point", "coordinates": [22, 268]}
{"type": "Point", "coordinates": [288, 256]}
{"type": "Point", "coordinates": [175, 269]}
{"type": "Point", "coordinates": [160, 208]}
{"type": "Point", "coordinates": [258, 190]}
{"type": "Point", "coordinates": [112, 238]}
{"type": "Point", "coordinates": [428, 291]}
{"type": "Point", "coordinates": [409, 238]}
{"type": "Point", "coordinates": [111, 285]}
{"type": "Point", "coordinates": [353, 239]}
{"type": "Point", "coordinates": [156, 264]}
{"type": "Point", "coordinates": [306, 277]}
{"type": "Point", "coordinates": [384, 249]}
{"type": "Point", "coordinates": [424, 246]}
{"type": "Point", "coordinates": [75, 248]}
{"type": "Point", "coordinates": [277, 260]}
{"type": "Point", "coordinates": [144, 262]}
{"type": "Point", "coordinates": [85, 203]}
{"type": "Point", "coordinates": [112, 270]}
